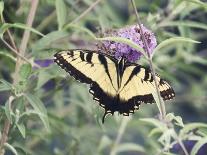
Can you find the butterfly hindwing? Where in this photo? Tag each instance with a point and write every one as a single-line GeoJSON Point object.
{"type": "Point", "coordinates": [138, 85]}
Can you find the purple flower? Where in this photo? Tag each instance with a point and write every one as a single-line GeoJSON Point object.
{"type": "Point", "coordinates": [123, 50]}
{"type": "Point", "coordinates": [44, 62]}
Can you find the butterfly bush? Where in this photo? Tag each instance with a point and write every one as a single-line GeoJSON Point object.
{"type": "Point", "coordinates": [132, 33]}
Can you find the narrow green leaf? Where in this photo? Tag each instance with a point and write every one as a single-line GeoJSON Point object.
{"type": "Point", "coordinates": [154, 132]}
{"type": "Point", "coordinates": [184, 23]}
{"type": "Point", "coordinates": [198, 145]}
{"type": "Point", "coordinates": [125, 41]}
{"type": "Point", "coordinates": [178, 119]}
{"type": "Point", "coordinates": [157, 101]}
{"type": "Point", "coordinates": [173, 40]}
{"type": "Point", "coordinates": [8, 111]}
{"type": "Point", "coordinates": [6, 26]}
{"type": "Point", "coordinates": [5, 85]}
{"type": "Point", "coordinates": [1, 9]}
{"type": "Point", "coordinates": [28, 113]}
{"type": "Point", "coordinates": [195, 58]}
{"type": "Point", "coordinates": [155, 122]}
{"type": "Point", "coordinates": [168, 153]}
{"type": "Point", "coordinates": [8, 55]}
{"type": "Point", "coordinates": [22, 129]}
{"type": "Point", "coordinates": [202, 4]}
{"type": "Point", "coordinates": [104, 142]}
{"type": "Point", "coordinates": [165, 138]}
{"type": "Point", "coordinates": [25, 71]}
{"type": "Point", "coordinates": [47, 41]}
{"type": "Point", "coordinates": [75, 27]}
{"type": "Point", "coordinates": [11, 148]}
{"type": "Point", "coordinates": [4, 88]}
{"type": "Point", "coordinates": [38, 106]}
{"type": "Point", "coordinates": [191, 126]}
{"type": "Point", "coordinates": [129, 147]}
{"type": "Point", "coordinates": [61, 11]}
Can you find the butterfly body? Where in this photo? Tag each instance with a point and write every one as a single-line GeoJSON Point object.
{"type": "Point", "coordinates": [118, 85]}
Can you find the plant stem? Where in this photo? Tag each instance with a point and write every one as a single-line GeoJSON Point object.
{"type": "Point", "coordinates": [17, 53]}
{"type": "Point", "coordinates": [4, 136]}
{"type": "Point", "coordinates": [161, 104]}
{"type": "Point", "coordinates": [46, 21]}
{"type": "Point", "coordinates": [26, 35]}
{"type": "Point", "coordinates": [10, 36]}
{"type": "Point", "coordinates": [21, 52]}
{"type": "Point", "coordinates": [121, 130]}
{"type": "Point", "coordinates": [180, 143]}
{"type": "Point", "coordinates": [85, 12]}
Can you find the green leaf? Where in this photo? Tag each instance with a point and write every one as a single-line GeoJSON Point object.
{"type": "Point", "coordinates": [178, 119]}
{"type": "Point", "coordinates": [154, 131]}
{"type": "Point", "coordinates": [155, 122]}
{"type": "Point", "coordinates": [8, 55]}
{"type": "Point", "coordinates": [202, 4]}
{"type": "Point", "coordinates": [38, 106]}
{"type": "Point", "coordinates": [104, 142]}
{"type": "Point", "coordinates": [22, 129]}
{"type": "Point", "coordinates": [165, 138]}
{"type": "Point", "coordinates": [61, 11]}
{"type": "Point", "coordinates": [173, 40]}
{"type": "Point", "coordinates": [25, 71]}
{"type": "Point", "coordinates": [191, 126]}
{"type": "Point", "coordinates": [5, 85]}
{"type": "Point", "coordinates": [4, 88]}
{"type": "Point", "coordinates": [168, 153]}
{"type": "Point", "coordinates": [6, 26]}
{"type": "Point", "coordinates": [75, 27]}
{"type": "Point", "coordinates": [1, 9]}
{"type": "Point", "coordinates": [184, 23]}
{"type": "Point", "coordinates": [48, 40]}
{"type": "Point", "coordinates": [8, 111]}
{"type": "Point", "coordinates": [195, 58]}
{"type": "Point", "coordinates": [125, 41]}
{"type": "Point", "coordinates": [11, 148]}
{"type": "Point", "coordinates": [198, 145]}
{"type": "Point", "coordinates": [157, 101]}
{"type": "Point", "coordinates": [129, 147]}
{"type": "Point", "coordinates": [28, 113]}
{"type": "Point", "coordinates": [43, 77]}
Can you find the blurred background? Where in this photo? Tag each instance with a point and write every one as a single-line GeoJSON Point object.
{"type": "Point", "coordinates": [74, 118]}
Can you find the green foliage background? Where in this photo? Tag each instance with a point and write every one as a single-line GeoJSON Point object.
{"type": "Point", "coordinates": [51, 113]}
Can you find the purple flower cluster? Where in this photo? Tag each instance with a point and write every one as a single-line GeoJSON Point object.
{"type": "Point", "coordinates": [134, 34]}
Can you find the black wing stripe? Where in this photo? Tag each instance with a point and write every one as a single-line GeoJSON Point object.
{"type": "Point", "coordinates": [82, 56]}
{"type": "Point", "coordinates": [146, 75]}
{"type": "Point", "coordinates": [103, 61]}
{"type": "Point", "coordinates": [135, 71]}
{"type": "Point", "coordinates": [89, 57]}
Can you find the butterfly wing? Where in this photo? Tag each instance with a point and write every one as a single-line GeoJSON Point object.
{"type": "Point", "coordinates": [137, 87]}
{"type": "Point", "coordinates": [92, 68]}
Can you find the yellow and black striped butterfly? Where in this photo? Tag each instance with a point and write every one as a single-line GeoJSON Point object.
{"type": "Point", "coordinates": [118, 85]}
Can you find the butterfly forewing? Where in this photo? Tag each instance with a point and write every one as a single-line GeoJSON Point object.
{"type": "Point", "coordinates": [89, 67]}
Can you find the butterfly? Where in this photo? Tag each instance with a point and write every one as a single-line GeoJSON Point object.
{"type": "Point", "coordinates": [116, 84]}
